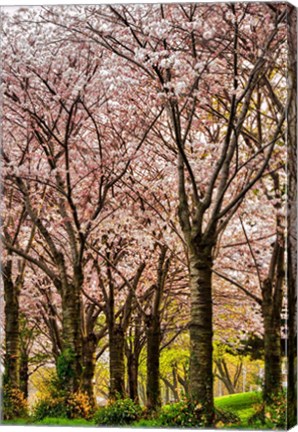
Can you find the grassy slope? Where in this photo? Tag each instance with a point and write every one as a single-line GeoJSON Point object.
{"type": "Point", "coordinates": [241, 404]}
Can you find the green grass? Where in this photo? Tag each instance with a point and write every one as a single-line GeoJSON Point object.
{"type": "Point", "coordinates": [50, 422]}
{"type": "Point", "coordinates": [17, 422]}
{"type": "Point", "coordinates": [63, 422]}
{"type": "Point", "coordinates": [151, 423]}
{"type": "Point", "coordinates": [241, 404]}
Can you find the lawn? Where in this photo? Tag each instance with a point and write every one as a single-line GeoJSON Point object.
{"type": "Point", "coordinates": [241, 404]}
{"type": "Point", "coordinates": [50, 422]}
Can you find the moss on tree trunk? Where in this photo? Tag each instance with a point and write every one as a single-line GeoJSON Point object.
{"type": "Point", "coordinates": [70, 361]}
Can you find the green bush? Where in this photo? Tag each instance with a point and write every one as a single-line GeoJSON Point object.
{"type": "Point", "coordinates": [273, 415]}
{"type": "Point", "coordinates": [14, 403]}
{"type": "Point", "coordinates": [183, 413]}
{"type": "Point", "coordinates": [50, 407]}
{"type": "Point", "coordinates": [188, 414]}
{"type": "Point", "coordinates": [72, 406]}
{"type": "Point", "coordinates": [118, 413]}
{"type": "Point", "coordinates": [78, 406]}
{"type": "Point", "coordinates": [276, 412]}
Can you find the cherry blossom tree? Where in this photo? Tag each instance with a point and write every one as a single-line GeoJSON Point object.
{"type": "Point", "coordinates": [143, 162]}
{"type": "Point", "coordinates": [180, 78]}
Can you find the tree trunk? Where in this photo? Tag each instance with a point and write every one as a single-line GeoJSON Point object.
{"type": "Point", "coordinates": [153, 378]}
{"type": "Point", "coordinates": [167, 394]}
{"type": "Point", "coordinates": [132, 371]}
{"type": "Point", "coordinates": [12, 336]}
{"type": "Point", "coordinates": [201, 373]}
{"type": "Point", "coordinates": [70, 360]}
{"type": "Point", "coordinates": [142, 390]}
{"type": "Point", "coordinates": [175, 383]}
{"type": "Point", "coordinates": [24, 374]}
{"type": "Point", "coordinates": [224, 376]}
{"type": "Point", "coordinates": [292, 218]}
{"type": "Point", "coordinates": [89, 363]}
{"type": "Point", "coordinates": [272, 344]}
{"type": "Point", "coordinates": [117, 367]}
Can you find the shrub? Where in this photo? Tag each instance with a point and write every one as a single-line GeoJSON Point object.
{"type": "Point", "coordinates": [14, 403]}
{"type": "Point", "coordinates": [50, 407]}
{"type": "Point", "coordinates": [183, 413]}
{"type": "Point", "coordinates": [273, 414]}
{"type": "Point", "coordinates": [276, 412]}
{"type": "Point", "coordinates": [118, 413]}
{"type": "Point", "coordinates": [79, 406]}
{"type": "Point", "coordinates": [72, 406]}
{"type": "Point", "coordinates": [187, 414]}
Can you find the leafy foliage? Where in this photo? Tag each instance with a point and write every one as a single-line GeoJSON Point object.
{"type": "Point", "coordinates": [49, 407]}
{"type": "Point", "coordinates": [118, 413]}
{"type": "Point", "coordinates": [273, 415]}
{"type": "Point", "coordinates": [182, 413]}
{"type": "Point", "coordinates": [14, 403]}
{"type": "Point", "coordinates": [70, 406]}
{"type": "Point", "coordinates": [79, 406]}
{"type": "Point", "coordinates": [277, 412]}
{"type": "Point", "coordinates": [187, 414]}
{"type": "Point", "coordinates": [65, 365]}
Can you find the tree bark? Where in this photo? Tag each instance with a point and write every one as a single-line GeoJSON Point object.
{"type": "Point", "coordinates": [132, 371]}
{"type": "Point", "coordinates": [225, 377]}
{"type": "Point", "coordinates": [201, 332]}
{"type": "Point", "coordinates": [117, 366]}
{"type": "Point", "coordinates": [272, 345]}
{"type": "Point", "coordinates": [292, 218]}
{"type": "Point", "coordinates": [175, 383]}
{"type": "Point", "coordinates": [272, 294]}
{"type": "Point", "coordinates": [12, 336]}
{"type": "Point", "coordinates": [70, 360]}
{"type": "Point", "coordinates": [24, 374]}
{"type": "Point", "coordinates": [89, 363]}
{"type": "Point", "coordinates": [153, 375]}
